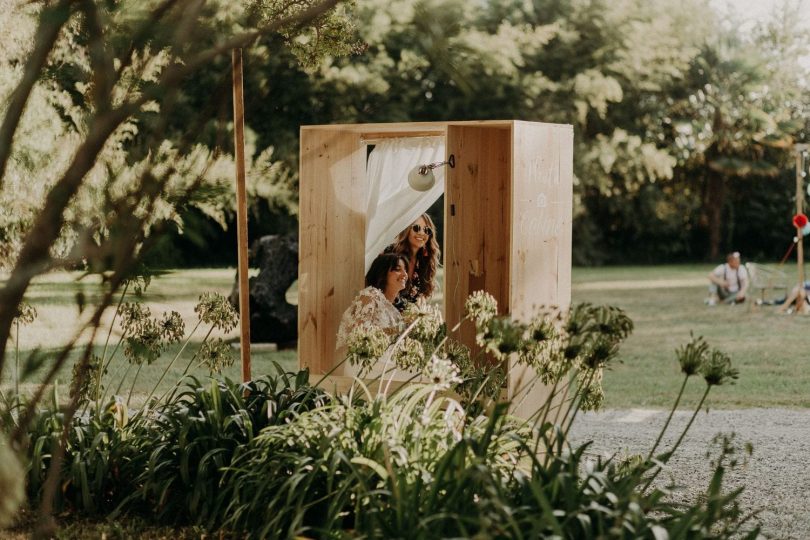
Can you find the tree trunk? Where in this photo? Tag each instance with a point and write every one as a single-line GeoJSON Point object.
{"type": "Point", "coordinates": [715, 201]}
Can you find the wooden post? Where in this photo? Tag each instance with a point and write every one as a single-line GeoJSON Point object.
{"type": "Point", "coordinates": [801, 305]}
{"type": "Point", "coordinates": [241, 212]}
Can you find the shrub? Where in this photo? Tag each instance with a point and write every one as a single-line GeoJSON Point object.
{"type": "Point", "coordinates": [166, 459]}
{"type": "Point", "coordinates": [180, 448]}
{"type": "Point", "coordinates": [92, 480]}
{"type": "Point", "coordinates": [278, 458]}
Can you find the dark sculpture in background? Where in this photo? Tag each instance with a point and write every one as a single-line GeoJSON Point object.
{"type": "Point", "coordinates": [272, 318]}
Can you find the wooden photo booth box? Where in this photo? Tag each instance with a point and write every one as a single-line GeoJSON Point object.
{"type": "Point", "coordinates": [507, 225]}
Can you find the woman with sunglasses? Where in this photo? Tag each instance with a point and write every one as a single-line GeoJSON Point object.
{"type": "Point", "coordinates": [419, 246]}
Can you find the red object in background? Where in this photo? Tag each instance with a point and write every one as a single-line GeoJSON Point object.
{"type": "Point", "coordinates": [799, 221]}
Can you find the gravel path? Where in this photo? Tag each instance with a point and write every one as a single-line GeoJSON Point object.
{"type": "Point", "coordinates": [776, 479]}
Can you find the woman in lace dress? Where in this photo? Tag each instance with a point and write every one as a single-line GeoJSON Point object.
{"type": "Point", "coordinates": [374, 305]}
{"type": "Point", "coordinates": [419, 246]}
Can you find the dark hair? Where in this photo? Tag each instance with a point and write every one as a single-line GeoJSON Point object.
{"type": "Point", "coordinates": [377, 275]}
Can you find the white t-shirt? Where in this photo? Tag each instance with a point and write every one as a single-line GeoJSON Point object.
{"type": "Point", "coordinates": [735, 278]}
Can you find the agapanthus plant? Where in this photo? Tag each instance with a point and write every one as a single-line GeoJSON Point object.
{"type": "Point", "coordinates": [366, 344]}
{"type": "Point", "coordinates": [424, 460]}
{"type": "Point", "coordinates": [424, 319]}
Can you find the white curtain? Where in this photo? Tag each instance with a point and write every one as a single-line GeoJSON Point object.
{"type": "Point", "coordinates": [392, 203]}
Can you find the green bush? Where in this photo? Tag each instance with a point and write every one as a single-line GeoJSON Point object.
{"type": "Point", "coordinates": [93, 479]}
{"type": "Point", "coordinates": [389, 468]}
{"type": "Point", "coordinates": [277, 458]}
{"type": "Point", "coordinates": [166, 459]}
{"type": "Point", "coordinates": [182, 447]}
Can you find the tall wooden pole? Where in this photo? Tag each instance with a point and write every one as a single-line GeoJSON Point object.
{"type": "Point", "coordinates": [801, 305]}
{"type": "Point", "coordinates": [241, 212]}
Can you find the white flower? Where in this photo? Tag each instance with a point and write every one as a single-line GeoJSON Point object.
{"type": "Point", "coordinates": [442, 374]}
{"type": "Point", "coordinates": [481, 306]}
{"type": "Point", "coordinates": [426, 319]}
{"type": "Point", "coordinates": [454, 419]}
{"type": "Point", "coordinates": [365, 345]}
{"type": "Point", "coordinates": [409, 354]}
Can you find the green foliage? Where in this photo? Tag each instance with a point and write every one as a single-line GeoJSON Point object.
{"type": "Point", "coordinates": [215, 310]}
{"type": "Point", "coordinates": [375, 466]}
{"type": "Point", "coordinates": [167, 458]}
{"type": "Point", "coordinates": [663, 100]}
{"type": "Point", "coordinates": [631, 76]}
{"type": "Point", "coordinates": [216, 355]}
{"type": "Point", "coordinates": [276, 457]}
{"type": "Point", "coordinates": [342, 468]}
{"type": "Point", "coordinates": [112, 55]}
{"type": "Point", "coordinates": [553, 344]}
{"type": "Point", "coordinates": [85, 379]}
{"type": "Point", "coordinates": [183, 446]}
{"type": "Point", "coordinates": [26, 314]}
{"type": "Point", "coordinates": [601, 498]}
{"type": "Point", "coordinates": [146, 336]}
{"type": "Point", "coordinates": [93, 477]}
{"type": "Point", "coordinates": [328, 35]}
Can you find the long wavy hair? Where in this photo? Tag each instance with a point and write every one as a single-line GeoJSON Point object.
{"type": "Point", "coordinates": [427, 263]}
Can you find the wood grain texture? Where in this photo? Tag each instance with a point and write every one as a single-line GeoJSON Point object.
{"type": "Point", "coordinates": [241, 212]}
{"type": "Point", "coordinates": [372, 137]}
{"type": "Point", "coordinates": [332, 191]}
{"type": "Point", "coordinates": [508, 210]}
{"type": "Point", "coordinates": [541, 237]}
{"type": "Point", "coordinates": [409, 127]}
{"type": "Point", "coordinates": [477, 221]}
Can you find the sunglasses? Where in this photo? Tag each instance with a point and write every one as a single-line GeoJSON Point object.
{"type": "Point", "coordinates": [418, 228]}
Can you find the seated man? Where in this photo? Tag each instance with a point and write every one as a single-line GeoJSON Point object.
{"type": "Point", "coordinates": [729, 281]}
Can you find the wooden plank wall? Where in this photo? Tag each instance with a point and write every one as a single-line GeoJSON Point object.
{"type": "Point", "coordinates": [508, 206]}
{"type": "Point", "coordinates": [331, 239]}
{"type": "Point", "coordinates": [542, 202]}
{"type": "Point", "coordinates": [477, 221]}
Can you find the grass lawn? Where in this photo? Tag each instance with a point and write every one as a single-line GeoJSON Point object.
{"type": "Point", "coordinates": [665, 303]}
{"type": "Point", "coordinates": [54, 296]}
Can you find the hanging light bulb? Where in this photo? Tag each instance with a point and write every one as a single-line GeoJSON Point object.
{"type": "Point", "coordinates": [421, 177]}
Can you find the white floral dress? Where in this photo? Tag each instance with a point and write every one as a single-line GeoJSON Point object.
{"type": "Point", "coordinates": [370, 307]}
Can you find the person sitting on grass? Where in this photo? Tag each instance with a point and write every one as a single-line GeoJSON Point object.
{"type": "Point", "coordinates": [789, 303]}
{"type": "Point", "coordinates": [729, 281]}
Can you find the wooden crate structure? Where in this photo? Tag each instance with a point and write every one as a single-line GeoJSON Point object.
{"type": "Point", "coordinates": [508, 205]}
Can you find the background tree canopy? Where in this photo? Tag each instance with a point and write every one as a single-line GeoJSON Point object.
{"type": "Point", "coordinates": [683, 121]}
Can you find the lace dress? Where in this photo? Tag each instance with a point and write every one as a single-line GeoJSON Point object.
{"type": "Point", "coordinates": [369, 307]}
